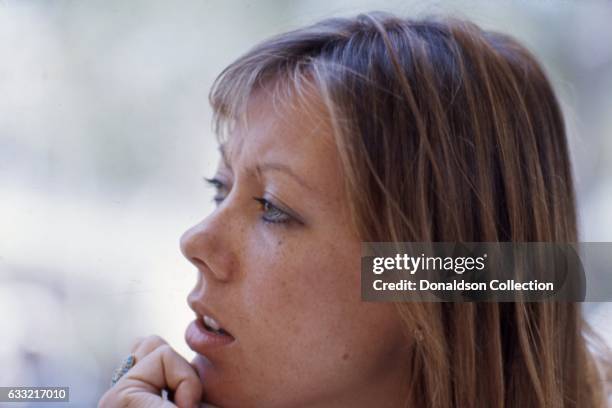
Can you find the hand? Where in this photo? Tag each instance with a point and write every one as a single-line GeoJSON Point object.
{"type": "Point", "coordinates": [157, 367]}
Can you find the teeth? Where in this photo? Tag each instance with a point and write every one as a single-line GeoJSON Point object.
{"type": "Point", "coordinates": [212, 323]}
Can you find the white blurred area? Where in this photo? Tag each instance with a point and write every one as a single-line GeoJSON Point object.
{"type": "Point", "coordinates": [105, 137]}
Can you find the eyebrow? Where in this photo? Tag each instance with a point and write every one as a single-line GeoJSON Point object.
{"type": "Point", "coordinates": [270, 166]}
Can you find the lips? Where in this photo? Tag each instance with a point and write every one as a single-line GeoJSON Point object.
{"type": "Point", "coordinates": [206, 333]}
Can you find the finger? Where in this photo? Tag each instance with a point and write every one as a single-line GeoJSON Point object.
{"type": "Point", "coordinates": [164, 368]}
{"type": "Point", "coordinates": [137, 343]}
{"type": "Point", "coordinates": [125, 398]}
{"type": "Point", "coordinates": [146, 345]}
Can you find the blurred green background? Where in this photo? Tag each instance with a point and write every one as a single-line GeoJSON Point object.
{"type": "Point", "coordinates": [105, 137]}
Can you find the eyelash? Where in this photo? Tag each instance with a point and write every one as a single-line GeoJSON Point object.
{"type": "Point", "coordinates": [218, 185]}
{"type": "Point", "coordinates": [279, 216]}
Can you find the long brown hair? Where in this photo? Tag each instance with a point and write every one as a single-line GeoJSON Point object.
{"type": "Point", "coordinates": [446, 132]}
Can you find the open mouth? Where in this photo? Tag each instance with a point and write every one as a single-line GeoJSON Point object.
{"type": "Point", "coordinates": [206, 335]}
{"type": "Point", "coordinates": [212, 326]}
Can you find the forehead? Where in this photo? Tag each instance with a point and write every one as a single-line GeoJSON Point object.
{"type": "Point", "coordinates": [292, 132]}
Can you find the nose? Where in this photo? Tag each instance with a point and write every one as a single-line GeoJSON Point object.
{"type": "Point", "coordinates": [207, 246]}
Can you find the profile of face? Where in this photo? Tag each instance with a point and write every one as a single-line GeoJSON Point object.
{"type": "Point", "coordinates": [278, 265]}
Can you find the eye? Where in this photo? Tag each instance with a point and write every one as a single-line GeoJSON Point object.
{"type": "Point", "coordinates": [220, 189]}
{"type": "Point", "coordinates": [272, 213]}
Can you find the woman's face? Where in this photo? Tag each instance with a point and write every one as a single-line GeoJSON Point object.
{"type": "Point", "coordinates": [279, 269]}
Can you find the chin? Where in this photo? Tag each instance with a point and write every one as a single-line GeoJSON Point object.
{"type": "Point", "coordinates": [219, 391]}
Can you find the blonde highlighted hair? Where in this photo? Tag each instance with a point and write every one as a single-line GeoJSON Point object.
{"type": "Point", "coordinates": [446, 132]}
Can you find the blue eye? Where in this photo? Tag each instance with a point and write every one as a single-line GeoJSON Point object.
{"type": "Point", "coordinates": [271, 213]}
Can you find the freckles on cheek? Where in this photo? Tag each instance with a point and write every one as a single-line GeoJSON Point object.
{"type": "Point", "coordinates": [294, 283]}
{"type": "Point", "coordinates": [274, 302]}
{"type": "Point", "coordinates": [332, 276]}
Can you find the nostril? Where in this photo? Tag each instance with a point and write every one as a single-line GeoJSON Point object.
{"type": "Point", "coordinates": [200, 264]}
{"type": "Point", "coordinates": [201, 246]}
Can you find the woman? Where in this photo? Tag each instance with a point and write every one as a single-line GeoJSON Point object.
{"type": "Point", "coordinates": [373, 128]}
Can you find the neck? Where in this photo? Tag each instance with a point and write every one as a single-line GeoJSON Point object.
{"type": "Point", "coordinates": [388, 389]}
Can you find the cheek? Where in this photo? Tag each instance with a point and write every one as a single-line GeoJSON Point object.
{"type": "Point", "coordinates": [309, 301]}
{"type": "Point", "coordinates": [297, 281]}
